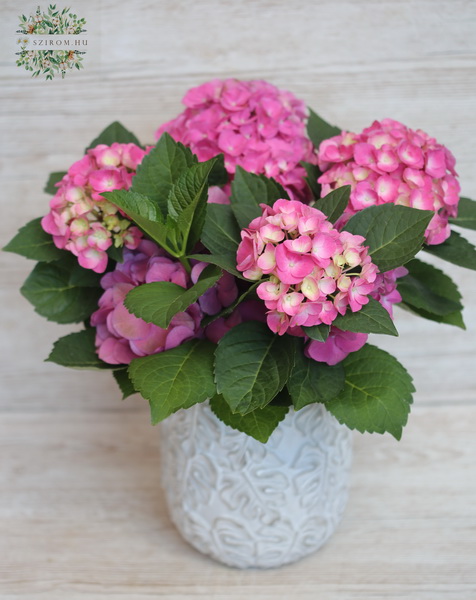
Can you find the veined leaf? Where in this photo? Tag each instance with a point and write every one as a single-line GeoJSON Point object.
{"type": "Point", "coordinates": [115, 132]}
{"type": "Point", "coordinates": [371, 318]}
{"type": "Point", "coordinates": [428, 288]}
{"type": "Point", "coordinates": [258, 424]}
{"type": "Point", "coordinates": [221, 234]}
{"type": "Point", "coordinates": [320, 333]}
{"type": "Point", "coordinates": [160, 301]}
{"type": "Point", "coordinates": [116, 254]}
{"type": "Point", "coordinates": [394, 234]}
{"type": "Point", "coordinates": [50, 289]}
{"type": "Point", "coordinates": [377, 394]}
{"type": "Point", "coordinates": [124, 382]}
{"type": "Point", "coordinates": [311, 381]}
{"type": "Point", "coordinates": [457, 250]}
{"type": "Point", "coordinates": [50, 187]}
{"type": "Point", "coordinates": [312, 175]}
{"type": "Point", "coordinates": [33, 242]}
{"type": "Point", "coordinates": [218, 175]}
{"type": "Point", "coordinates": [177, 378]}
{"type": "Point", "coordinates": [430, 293]}
{"type": "Point", "coordinates": [248, 191]}
{"type": "Point", "coordinates": [252, 365]}
{"type": "Point", "coordinates": [225, 261]}
{"type": "Point", "coordinates": [78, 351]}
{"type": "Point", "coordinates": [79, 276]}
{"type": "Point", "coordinates": [319, 130]}
{"type": "Point", "coordinates": [187, 204]}
{"type": "Point", "coordinates": [334, 204]}
{"type": "Point", "coordinates": [160, 169]}
{"type": "Point", "coordinates": [466, 214]}
{"type": "Point", "coordinates": [146, 214]}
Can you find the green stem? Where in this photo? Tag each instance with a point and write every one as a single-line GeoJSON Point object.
{"type": "Point", "coordinates": [185, 263]}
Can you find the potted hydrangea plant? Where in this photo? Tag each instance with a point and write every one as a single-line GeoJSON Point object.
{"type": "Point", "coordinates": [235, 269]}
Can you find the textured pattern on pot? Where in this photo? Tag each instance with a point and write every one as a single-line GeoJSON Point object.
{"type": "Point", "coordinates": [248, 504]}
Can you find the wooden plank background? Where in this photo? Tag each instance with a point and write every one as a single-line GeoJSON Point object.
{"type": "Point", "coordinates": [81, 512]}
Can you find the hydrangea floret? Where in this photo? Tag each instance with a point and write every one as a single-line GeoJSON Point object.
{"type": "Point", "coordinates": [253, 124]}
{"type": "Point", "coordinates": [389, 162]}
{"type": "Point", "coordinates": [81, 220]}
{"type": "Point", "coordinates": [313, 272]}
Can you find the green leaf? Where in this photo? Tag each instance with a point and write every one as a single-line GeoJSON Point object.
{"type": "Point", "coordinates": [466, 214]}
{"type": "Point", "coordinates": [187, 203]}
{"type": "Point", "coordinates": [50, 289]}
{"type": "Point", "coordinates": [116, 254]}
{"type": "Point", "coordinates": [115, 132]}
{"type": "Point", "coordinates": [221, 234]}
{"type": "Point", "coordinates": [455, 318]}
{"type": "Point", "coordinates": [124, 382]}
{"type": "Point", "coordinates": [258, 424]}
{"type": "Point", "coordinates": [160, 301]}
{"type": "Point", "coordinates": [248, 191]}
{"type": "Point", "coordinates": [394, 234]}
{"type": "Point", "coordinates": [313, 381]}
{"type": "Point", "coordinates": [312, 175]}
{"type": "Point", "coordinates": [371, 318]}
{"type": "Point", "coordinates": [428, 288]}
{"type": "Point", "coordinates": [145, 213]}
{"type": "Point", "coordinates": [282, 398]}
{"type": "Point", "coordinates": [50, 187]}
{"type": "Point", "coordinates": [430, 293]}
{"type": "Point", "coordinates": [319, 333]}
{"type": "Point", "coordinates": [33, 242]}
{"type": "Point", "coordinates": [227, 262]}
{"type": "Point", "coordinates": [252, 365]}
{"type": "Point", "coordinates": [319, 130]}
{"type": "Point", "coordinates": [457, 250]}
{"type": "Point", "coordinates": [218, 175]}
{"type": "Point", "coordinates": [377, 393]}
{"type": "Point", "coordinates": [177, 378]}
{"type": "Point", "coordinates": [160, 169]}
{"type": "Point", "coordinates": [79, 276]}
{"type": "Point", "coordinates": [77, 351]}
{"type": "Point", "coordinates": [334, 204]}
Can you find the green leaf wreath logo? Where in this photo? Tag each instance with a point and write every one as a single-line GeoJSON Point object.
{"type": "Point", "coordinates": [55, 61]}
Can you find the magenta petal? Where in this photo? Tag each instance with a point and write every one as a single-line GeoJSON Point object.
{"type": "Point", "coordinates": [152, 343]}
{"type": "Point", "coordinates": [217, 196]}
{"type": "Point", "coordinates": [348, 341]}
{"type": "Point", "coordinates": [209, 302]}
{"type": "Point", "coordinates": [327, 351]}
{"type": "Point", "coordinates": [178, 335]}
{"type": "Point", "coordinates": [115, 352]}
{"type": "Point", "coordinates": [127, 325]}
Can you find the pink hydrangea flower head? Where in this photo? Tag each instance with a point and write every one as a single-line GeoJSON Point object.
{"type": "Point", "coordinates": [120, 335]}
{"type": "Point", "coordinates": [253, 123]}
{"type": "Point", "coordinates": [391, 163]}
{"type": "Point", "coordinates": [312, 271]}
{"type": "Point", "coordinates": [80, 219]}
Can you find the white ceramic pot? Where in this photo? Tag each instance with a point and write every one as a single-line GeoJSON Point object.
{"type": "Point", "coordinates": [249, 504]}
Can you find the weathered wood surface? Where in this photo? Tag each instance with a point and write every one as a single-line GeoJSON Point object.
{"type": "Point", "coordinates": [81, 512]}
